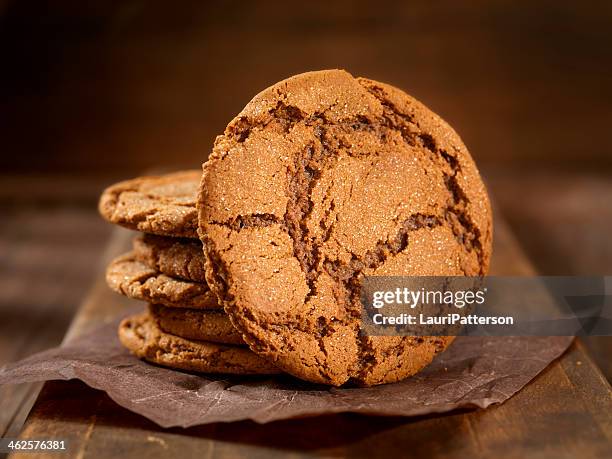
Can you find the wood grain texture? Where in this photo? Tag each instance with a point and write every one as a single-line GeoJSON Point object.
{"type": "Point", "coordinates": [98, 85]}
{"type": "Point", "coordinates": [39, 289]}
{"type": "Point", "coordinates": [564, 412]}
{"type": "Point", "coordinates": [564, 222]}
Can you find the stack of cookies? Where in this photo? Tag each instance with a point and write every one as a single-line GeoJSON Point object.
{"type": "Point", "coordinates": [183, 326]}
{"type": "Point", "coordinates": [321, 180]}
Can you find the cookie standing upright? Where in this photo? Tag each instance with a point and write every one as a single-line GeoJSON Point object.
{"type": "Point", "coordinates": [322, 179]}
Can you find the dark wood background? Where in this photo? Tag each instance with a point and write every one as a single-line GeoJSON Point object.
{"type": "Point", "coordinates": [93, 92]}
{"type": "Point", "coordinates": [108, 86]}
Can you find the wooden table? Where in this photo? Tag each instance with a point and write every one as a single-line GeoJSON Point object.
{"type": "Point", "coordinates": [564, 412]}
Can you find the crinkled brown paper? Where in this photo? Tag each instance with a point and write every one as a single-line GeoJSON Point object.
{"type": "Point", "coordinates": [473, 372]}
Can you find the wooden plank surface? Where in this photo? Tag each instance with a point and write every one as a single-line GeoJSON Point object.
{"type": "Point", "coordinates": [48, 260]}
{"type": "Point", "coordinates": [564, 412]}
{"type": "Point", "coordinates": [564, 223]}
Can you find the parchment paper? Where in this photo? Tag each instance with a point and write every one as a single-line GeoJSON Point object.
{"type": "Point", "coordinates": [473, 372]}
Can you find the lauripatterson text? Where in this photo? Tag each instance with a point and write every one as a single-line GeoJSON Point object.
{"type": "Point", "coordinates": [448, 319]}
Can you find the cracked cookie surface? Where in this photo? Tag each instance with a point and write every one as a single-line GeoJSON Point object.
{"type": "Point", "coordinates": [143, 338]}
{"type": "Point", "coordinates": [321, 180]}
{"type": "Point", "coordinates": [213, 326]}
{"type": "Point", "coordinates": [134, 279]}
{"type": "Point", "coordinates": [177, 257]}
{"type": "Point", "coordinates": [163, 205]}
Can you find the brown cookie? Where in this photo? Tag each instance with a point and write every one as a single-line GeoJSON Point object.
{"type": "Point", "coordinates": [134, 279]}
{"type": "Point", "coordinates": [142, 337]}
{"type": "Point", "coordinates": [177, 257]}
{"type": "Point", "coordinates": [213, 326]}
{"type": "Point", "coordinates": [321, 180]}
{"type": "Point", "coordinates": [163, 205]}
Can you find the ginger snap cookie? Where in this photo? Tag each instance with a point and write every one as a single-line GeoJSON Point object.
{"type": "Point", "coordinates": [177, 257]}
{"type": "Point", "coordinates": [141, 336]}
{"type": "Point", "coordinates": [163, 205]}
{"type": "Point", "coordinates": [321, 180]}
{"type": "Point", "coordinates": [134, 279]}
{"type": "Point", "coordinates": [213, 326]}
